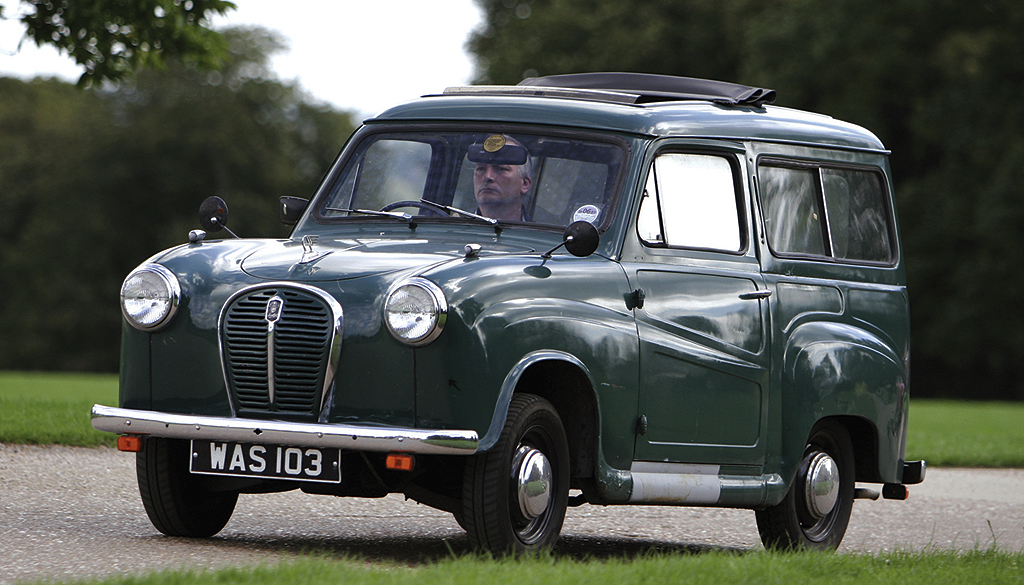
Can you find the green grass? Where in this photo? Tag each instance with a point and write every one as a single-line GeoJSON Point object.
{"type": "Point", "coordinates": [718, 568]}
{"type": "Point", "coordinates": [966, 434]}
{"type": "Point", "coordinates": [47, 408]}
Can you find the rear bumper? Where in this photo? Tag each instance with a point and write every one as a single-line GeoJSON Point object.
{"type": "Point", "coordinates": [125, 421]}
{"type": "Point", "coordinates": [913, 472]}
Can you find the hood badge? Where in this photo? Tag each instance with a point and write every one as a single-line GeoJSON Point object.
{"type": "Point", "coordinates": [309, 255]}
{"type": "Point", "coordinates": [274, 307]}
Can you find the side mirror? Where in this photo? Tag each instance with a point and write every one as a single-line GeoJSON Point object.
{"type": "Point", "coordinates": [581, 238]}
{"type": "Point", "coordinates": [213, 214]}
{"type": "Point", "coordinates": [291, 209]}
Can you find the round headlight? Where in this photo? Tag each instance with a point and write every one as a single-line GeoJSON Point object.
{"type": "Point", "coordinates": [415, 311]}
{"type": "Point", "coordinates": [149, 297]}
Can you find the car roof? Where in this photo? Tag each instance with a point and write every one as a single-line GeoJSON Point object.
{"type": "Point", "coordinates": [642, 104]}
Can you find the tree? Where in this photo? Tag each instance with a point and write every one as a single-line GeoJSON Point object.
{"type": "Point", "coordinates": [524, 38]}
{"type": "Point", "coordinates": [92, 182]}
{"type": "Point", "coordinates": [937, 81]}
{"type": "Point", "coordinates": [113, 39]}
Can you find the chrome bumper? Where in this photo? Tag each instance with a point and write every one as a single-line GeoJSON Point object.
{"type": "Point", "coordinates": [125, 421]}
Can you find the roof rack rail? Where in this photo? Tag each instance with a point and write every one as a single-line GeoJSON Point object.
{"type": "Point", "coordinates": [618, 97]}
{"type": "Point", "coordinates": [654, 88]}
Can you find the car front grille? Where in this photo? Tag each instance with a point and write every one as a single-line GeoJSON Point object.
{"type": "Point", "coordinates": [279, 360]}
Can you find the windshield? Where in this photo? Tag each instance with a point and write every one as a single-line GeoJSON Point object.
{"type": "Point", "coordinates": [508, 177]}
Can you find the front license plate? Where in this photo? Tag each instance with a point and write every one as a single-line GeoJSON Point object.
{"type": "Point", "coordinates": [266, 461]}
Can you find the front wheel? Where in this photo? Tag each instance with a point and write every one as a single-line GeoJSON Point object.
{"type": "Point", "coordinates": [515, 495]}
{"type": "Point", "coordinates": [176, 501]}
{"type": "Point", "coordinates": [816, 509]}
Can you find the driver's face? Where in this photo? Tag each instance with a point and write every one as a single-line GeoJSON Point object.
{"type": "Point", "coordinates": [499, 190]}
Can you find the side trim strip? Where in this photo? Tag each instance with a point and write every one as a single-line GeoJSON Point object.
{"type": "Point", "coordinates": [350, 437]}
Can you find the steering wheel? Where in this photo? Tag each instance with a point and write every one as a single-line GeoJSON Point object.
{"type": "Point", "coordinates": [418, 204]}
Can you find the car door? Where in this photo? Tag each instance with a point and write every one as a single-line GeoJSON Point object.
{"type": "Point", "coordinates": [701, 309]}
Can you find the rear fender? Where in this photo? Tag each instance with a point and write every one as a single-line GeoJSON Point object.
{"type": "Point", "coordinates": [837, 370]}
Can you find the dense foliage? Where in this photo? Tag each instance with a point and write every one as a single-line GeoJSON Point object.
{"type": "Point", "coordinates": [114, 39]}
{"type": "Point", "coordinates": [93, 182]}
{"type": "Point", "coordinates": [939, 82]}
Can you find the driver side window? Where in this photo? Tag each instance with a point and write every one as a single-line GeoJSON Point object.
{"type": "Point", "coordinates": [690, 201]}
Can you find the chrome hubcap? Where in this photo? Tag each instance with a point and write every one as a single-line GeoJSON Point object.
{"type": "Point", "coordinates": [531, 475]}
{"type": "Point", "coordinates": [821, 485]}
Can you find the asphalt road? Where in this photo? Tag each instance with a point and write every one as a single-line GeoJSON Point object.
{"type": "Point", "coordinates": [68, 513]}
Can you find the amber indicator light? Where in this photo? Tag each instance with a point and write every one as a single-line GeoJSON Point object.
{"type": "Point", "coordinates": [400, 461]}
{"type": "Point", "coordinates": [129, 443]}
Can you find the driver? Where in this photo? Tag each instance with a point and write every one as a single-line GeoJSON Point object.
{"type": "Point", "coordinates": [501, 178]}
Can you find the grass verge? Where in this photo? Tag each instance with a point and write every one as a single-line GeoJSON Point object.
{"type": "Point", "coordinates": [48, 408]}
{"type": "Point", "coordinates": [719, 568]}
{"type": "Point", "coordinates": [948, 433]}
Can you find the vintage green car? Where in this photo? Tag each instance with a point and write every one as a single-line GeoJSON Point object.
{"type": "Point", "coordinates": [506, 300]}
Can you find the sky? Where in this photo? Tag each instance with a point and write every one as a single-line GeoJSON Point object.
{"type": "Point", "coordinates": [362, 55]}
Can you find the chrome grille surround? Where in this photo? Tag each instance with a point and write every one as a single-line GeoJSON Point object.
{"type": "Point", "coordinates": [282, 359]}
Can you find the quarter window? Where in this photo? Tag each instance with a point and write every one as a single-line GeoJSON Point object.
{"type": "Point", "coordinates": [690, 201]}
{"type": "Point", "coordinates": [858, 215]}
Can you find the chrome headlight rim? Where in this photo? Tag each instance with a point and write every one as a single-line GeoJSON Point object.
{"type": "Point", "coordinates": [172, 291]}
{"type": "Point", "coordinates": [438, 309]}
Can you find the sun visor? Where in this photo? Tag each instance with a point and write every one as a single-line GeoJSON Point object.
{"type": "Point", "coordinates": [493, 153]}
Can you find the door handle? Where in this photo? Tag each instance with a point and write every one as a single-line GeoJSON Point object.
{"type": "Point", "coordinates": [756, 295]}
{"type": "Point", "coordinates": [635, 299]}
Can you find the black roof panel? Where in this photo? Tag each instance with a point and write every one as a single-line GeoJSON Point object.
{"type": "Point", "coordinates": [655, 88]}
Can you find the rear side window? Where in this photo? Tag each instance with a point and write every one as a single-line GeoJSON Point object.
{"type": "Point", "coordinates": [792, 210]}
{"type": "Point", "coordinates": [690, 201]}
{"type": "Point", "coordinates": [835, 212]}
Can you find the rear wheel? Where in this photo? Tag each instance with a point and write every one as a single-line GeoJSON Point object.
{"type": "Point", "coordinates": [816, 510]}
{"type": "Point", "coordinates": [515, 494]}
{"type": "Point", "coordinates": [177, 502]}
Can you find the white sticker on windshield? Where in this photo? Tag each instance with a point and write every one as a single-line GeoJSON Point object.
{"type": "Point", "coordinates": [587, 213]}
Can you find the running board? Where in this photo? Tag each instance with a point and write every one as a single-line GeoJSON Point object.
{"type": "Point", "coordinates": [697, 485]}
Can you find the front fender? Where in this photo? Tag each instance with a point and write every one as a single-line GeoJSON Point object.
{"type": "Point", "coordinates": [508, 388]}
{"type": "Point", "coordinates": [573, 311]}
{"type": "Point", "coordinates": [612, 484]}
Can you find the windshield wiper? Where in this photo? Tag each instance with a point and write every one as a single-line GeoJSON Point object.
{"type": "Point", "coordinates": [394, 214]}
{"type": "Point", "coordinates": [450, 209]}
